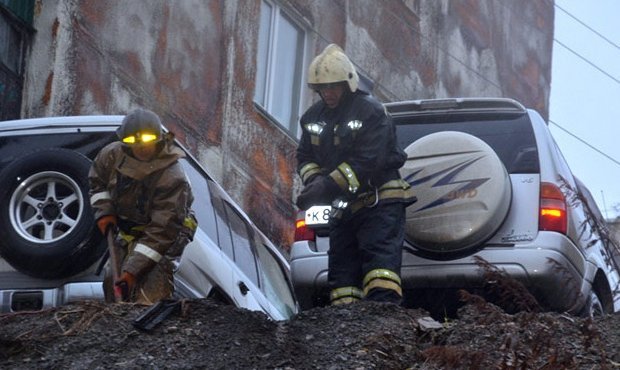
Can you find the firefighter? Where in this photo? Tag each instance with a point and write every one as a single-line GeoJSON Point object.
{"type": "Point", "coordinates": [138, 187]}
{"type": "Point", "coordinates": [348, 157]}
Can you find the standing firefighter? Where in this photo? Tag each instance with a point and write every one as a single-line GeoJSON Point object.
{"type": "Point", "coordinates": [348, 157]}
{"type": "Point", "coordinates": [139, 187]}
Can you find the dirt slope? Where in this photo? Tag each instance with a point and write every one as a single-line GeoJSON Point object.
{"type": "Point", "coordinates": [207, 334]}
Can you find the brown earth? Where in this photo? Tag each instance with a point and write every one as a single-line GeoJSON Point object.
{"type": "Point", "coordinates": [206, 334]}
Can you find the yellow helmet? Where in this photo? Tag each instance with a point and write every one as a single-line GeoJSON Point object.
{"type": "Point", "coordinates": [332, 66]}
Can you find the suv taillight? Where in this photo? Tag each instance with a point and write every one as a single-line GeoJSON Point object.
{"type": "Point", "coordinates": [302, 231]}
{"type": "Point", "coordinates": [552, 209]}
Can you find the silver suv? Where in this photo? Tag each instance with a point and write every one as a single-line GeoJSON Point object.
{"type": "Point", "coordinates": [494, 194]}
{"type": "Point", "coordinates": [51, 251]}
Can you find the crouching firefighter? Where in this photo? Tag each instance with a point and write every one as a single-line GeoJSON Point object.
{"type": "Point", "coordinates": [348, 157]}
{"type": "Point", "coordinates": [138, 187]}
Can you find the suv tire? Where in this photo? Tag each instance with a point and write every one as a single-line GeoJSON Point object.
{"type": "Point", "coordinates": [464, 194]}
{"type": "Point", "coordinates": [594, 306]}
{"type": "Point", "coordinates": [46, 223]}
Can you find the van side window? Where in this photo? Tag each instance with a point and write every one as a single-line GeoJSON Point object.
{"type": "Point", "coordinates": [275, 283]}
{"type": "Point", "coordinates": [223, 230]}
{"type": "Point", "coordinates": [202, 205]}
{"type": "Point", "coordinates": [241, 234]}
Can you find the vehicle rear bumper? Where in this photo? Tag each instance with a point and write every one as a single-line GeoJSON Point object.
{"type": "Point", "coordinates": [39, 299]}
{"type": "Point", "coordinates": [554, 270]}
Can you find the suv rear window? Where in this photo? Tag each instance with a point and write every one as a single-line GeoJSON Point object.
{"type": "Point", "coordinates": [510, 135]}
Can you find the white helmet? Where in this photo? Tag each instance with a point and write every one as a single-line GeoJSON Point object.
{"type": "Point", "coordinates": [332, 66]}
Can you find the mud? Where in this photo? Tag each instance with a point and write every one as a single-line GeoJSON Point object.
{"type": "Point", "coordinates": [206, 334]}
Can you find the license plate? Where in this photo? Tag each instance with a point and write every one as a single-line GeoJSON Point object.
{"type": "Point", "coordinates": [318, 215]}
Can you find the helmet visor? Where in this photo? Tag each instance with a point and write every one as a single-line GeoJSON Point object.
{"type": "Point", "coordinates": [325, 86]}
{"type": "Point", "coordinates": [140, 138]}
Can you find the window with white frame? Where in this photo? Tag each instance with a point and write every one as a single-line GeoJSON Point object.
{"type": "Point", "coordinates": [15, 32]}
{"type": "Point", "coordinates": [280, 66]}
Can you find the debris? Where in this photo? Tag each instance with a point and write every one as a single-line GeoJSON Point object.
{"type": "Point", "coordinates": [368, 335]}
{"type": "Point", "coordinates": [428, 323]}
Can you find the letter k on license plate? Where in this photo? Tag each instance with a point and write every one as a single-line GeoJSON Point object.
{"type": "Point", "coordinates": [318, 215]}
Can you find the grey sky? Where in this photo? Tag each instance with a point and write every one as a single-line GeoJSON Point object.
{"type": "Point", "coordinates": [585, 95]}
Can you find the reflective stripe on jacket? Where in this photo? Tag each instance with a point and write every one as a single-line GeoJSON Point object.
{"type": "Point", "coordinates": [355, 145]}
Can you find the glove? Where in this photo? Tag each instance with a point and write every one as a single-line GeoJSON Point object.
{"type": "Point", "coordinates": [104, 222]}
{"type": "Point", "coordinates": [320, 191]}
{"type": "Point", "coordinates": [125, 283]}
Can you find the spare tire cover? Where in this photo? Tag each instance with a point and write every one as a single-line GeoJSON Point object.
{"type": "Point", "coordinates": [463, 192]}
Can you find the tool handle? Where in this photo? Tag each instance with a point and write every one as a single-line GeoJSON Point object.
{"type": "Point", "coordinates": [115, 265]}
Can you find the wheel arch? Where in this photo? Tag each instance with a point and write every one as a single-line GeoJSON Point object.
{"type": "Point", "coordinates": [600, 285]}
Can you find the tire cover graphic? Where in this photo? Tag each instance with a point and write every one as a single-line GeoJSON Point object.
{"type": "Point", "coordinates": [463, 191]}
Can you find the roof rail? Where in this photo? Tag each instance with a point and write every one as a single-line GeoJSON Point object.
{"type": "Point", "coordinates": [456, 104]}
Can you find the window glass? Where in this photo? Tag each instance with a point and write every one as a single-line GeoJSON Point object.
{"type": "Point", "coordinates": [261, 60]}
{"type": "Point", "coordinates": [510, 136]}
{"type": "Point", "coordinates": [14, 37]}
{"type": "Point", "coordinates": [275, 284]}
{"type": "Point", "coordinates": [241, 237]}
{"type": "Point", "coordinates": [287, 54]}
{"type": "Point", "coordinates": [223, 231]}
{"type": "Point", "coordinates": [202, 199]}
{"type": "Point", "coordinates": [10, 46]}
{"type": "Point", "coordinates": [22, 9]}
{"type": "Point", "coordinates": [280, 65]}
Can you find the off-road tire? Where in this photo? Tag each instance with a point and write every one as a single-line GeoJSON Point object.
{"type": "Point", "coordinates": [594, 306]}
{"type": "Point", "coordinates": [47, 228]}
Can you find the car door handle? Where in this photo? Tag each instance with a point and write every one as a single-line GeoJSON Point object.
{"type": "Point", "coordinates": [243, 288]}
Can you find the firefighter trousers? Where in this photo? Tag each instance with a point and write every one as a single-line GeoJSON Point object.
{"type": "Point", "coordinates": [366, 253]}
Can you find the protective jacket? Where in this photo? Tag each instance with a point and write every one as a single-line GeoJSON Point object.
{"type": "Point", "coordinates": [151, 197]}
{"type": "Point", "coordinates": [355, 145]}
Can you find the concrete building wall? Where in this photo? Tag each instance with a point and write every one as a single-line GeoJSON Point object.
{"type": "Point", "coordinates": [194, 63]}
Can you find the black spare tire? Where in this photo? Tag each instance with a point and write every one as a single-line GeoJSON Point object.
{"type": "Point", "coordinates": [463, 191]}
{"type": "Point", "coordinates": [47, 228]}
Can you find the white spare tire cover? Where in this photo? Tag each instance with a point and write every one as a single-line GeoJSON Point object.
{"type": "Point", "coordinates": [463, 192]}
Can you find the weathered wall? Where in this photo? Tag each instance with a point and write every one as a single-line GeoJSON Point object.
{"type": "Point", "coordinates": [193, 62]}
{"type": "Point", "coordinates": [104, 57]}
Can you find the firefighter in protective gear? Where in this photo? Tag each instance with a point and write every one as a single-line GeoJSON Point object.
{"type": "Point", "coordinates": [138, 185]}
{"type": "Point", "coordinates": [348, 157]}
